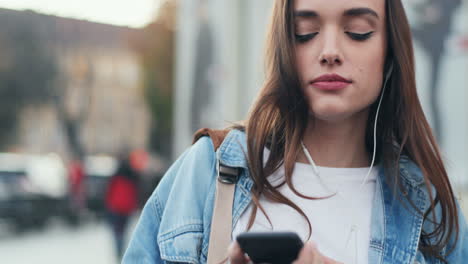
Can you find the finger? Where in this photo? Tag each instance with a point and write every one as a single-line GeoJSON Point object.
{"type": "Point", "coordinates": [309, 254]}
{"type": "Point", "coordinates": [327, 260]}
{"type": "Point", "coordinates": [236, 255]}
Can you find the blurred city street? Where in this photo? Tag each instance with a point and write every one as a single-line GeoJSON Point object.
{"type": "Point", "coordinates": [97, 102]}
{"type": "Point", "coordinates": [58, 243]}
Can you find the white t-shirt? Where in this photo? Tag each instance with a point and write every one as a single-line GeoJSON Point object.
{"type": "Point", "coordinates": [331, 218]}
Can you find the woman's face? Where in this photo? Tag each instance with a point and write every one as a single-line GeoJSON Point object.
{"type": "Point", "coordinates": [340, 39]}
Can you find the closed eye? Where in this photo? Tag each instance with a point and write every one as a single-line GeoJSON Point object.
{"type": "Point", "coordinates": [306, 37]}
{"type": "Point", "coordinates": [360, 37]}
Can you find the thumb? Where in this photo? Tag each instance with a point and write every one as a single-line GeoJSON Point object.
{"type": "Point", "coordinates": [327, 260]}
{"type": "Point", "coordinates": [309, 254]}
{"type": "Point", "coordinates": [236, 255]}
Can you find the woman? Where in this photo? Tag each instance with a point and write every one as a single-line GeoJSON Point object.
{"type": "Point", "coordinates": [336, 148]}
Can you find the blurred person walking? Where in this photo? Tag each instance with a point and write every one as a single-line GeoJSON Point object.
{"type": "Point", "coordinates": [121, 202]}
{"type": "Point", "coordinates": [433, 33]}
{"type": "Point", "coordinates": [77, 176]}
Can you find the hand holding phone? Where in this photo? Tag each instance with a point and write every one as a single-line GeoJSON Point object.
{"type": "Point", "coordinates": [271, 247]}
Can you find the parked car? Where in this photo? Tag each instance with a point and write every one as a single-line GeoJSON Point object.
{"type": "Point", "coordinates": [98, 170]}
{"type": "Point", "coordinates": [32, 189]}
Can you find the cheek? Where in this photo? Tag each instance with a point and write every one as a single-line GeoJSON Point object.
{"type": "Point", "coordinates": [369, 80]}
{"type": "Point", "coordinates": [369, 92]}
{"type": "Point", "coordinates": [303, 62]}
{"type": "Point", "coordinates": [368, 84]}
{"type": "Point", "coordinates": [370, 75]}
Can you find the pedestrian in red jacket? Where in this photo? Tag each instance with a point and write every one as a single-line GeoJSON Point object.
{"type": "Point", "coordinates": [121, 202]}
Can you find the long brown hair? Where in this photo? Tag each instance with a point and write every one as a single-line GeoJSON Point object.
{"type": "Point", "coordinates": [279, 118]}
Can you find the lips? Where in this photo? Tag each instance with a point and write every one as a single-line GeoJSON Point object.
{"type": "Point", "coordinates": [330, 82]}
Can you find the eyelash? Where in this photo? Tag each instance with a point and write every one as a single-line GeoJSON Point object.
{"type": "Point", "coordinates": [305, 38]}
{"type": "Point", "coordinates": [360, 37]}
{"type": "Point", "coordinates": [354, 36]}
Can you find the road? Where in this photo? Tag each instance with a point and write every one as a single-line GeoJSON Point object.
{"type": "Point", "coordinates": [58, 243]}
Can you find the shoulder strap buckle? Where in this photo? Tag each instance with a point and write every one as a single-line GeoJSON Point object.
{"type": "Point", "coordinates": [226, 174]}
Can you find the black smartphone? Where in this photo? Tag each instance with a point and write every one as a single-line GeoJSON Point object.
{"type": "Point", "coordinates": [271, 247]}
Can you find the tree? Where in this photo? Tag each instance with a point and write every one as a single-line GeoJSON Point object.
{"type": "Point", "coordinates": [72, 120]}
{"type": "Point", "coordinates": [27, 70]}
{"type": "Point", "coordinates": [156, 48]}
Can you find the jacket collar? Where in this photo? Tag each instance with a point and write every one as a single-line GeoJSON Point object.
{"type": "Point", "coordinates": [410, 172]}
{"type": "Point", "coordinates": [233, 151]}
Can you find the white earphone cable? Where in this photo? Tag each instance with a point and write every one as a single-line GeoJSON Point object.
{"type": "Point", "coordinates": [354, 228]}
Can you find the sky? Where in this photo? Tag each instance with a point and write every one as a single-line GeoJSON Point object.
{"type": "Point", "coordinates": [132, 13]}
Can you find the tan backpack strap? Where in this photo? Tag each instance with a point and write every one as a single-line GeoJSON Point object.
{"type": "Point", "coordinates": [221, 222]}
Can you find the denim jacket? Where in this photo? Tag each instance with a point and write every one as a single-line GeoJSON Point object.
{"type": "Point", "coordinates": [175, 223]}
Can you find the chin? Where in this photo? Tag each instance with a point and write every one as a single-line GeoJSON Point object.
{"type": "Point", "coordinates": [330, 118]}
{"type": "Point", "coordinates": [331, 114]}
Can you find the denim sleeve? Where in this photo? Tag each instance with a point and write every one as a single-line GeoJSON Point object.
{"type": "Point", "coordinates": [143, 247]}
{"type": "Point", "coordinates": [460, 253]}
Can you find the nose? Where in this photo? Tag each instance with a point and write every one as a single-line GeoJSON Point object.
{"type": "Point", "coordinates": [330, 59]}
{"type": "Point", "coordinates": [330, 54]}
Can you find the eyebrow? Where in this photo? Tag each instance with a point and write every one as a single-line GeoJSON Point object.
{"type": "Point", "coordinates": [353, 12]}
{"type": "Point", "coordinates": [305, 14]}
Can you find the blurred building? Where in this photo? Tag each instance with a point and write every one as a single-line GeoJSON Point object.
{"type": "Point", "coordinates": [99, 88]}
{"type": "Point", "coordinates": [219, 63]}
{"type": "Point", "coordinates": [220, 68]}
